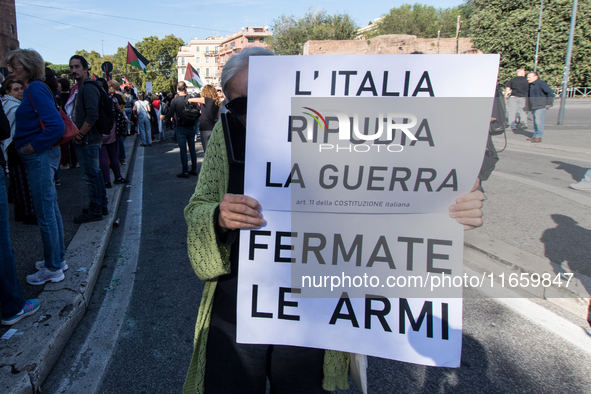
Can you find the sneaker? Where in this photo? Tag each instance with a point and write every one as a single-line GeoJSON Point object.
{"type": "Point", "coordinates": [182, 175]}
{"type": "Point", "coordinates": [156, 140]}
{"type": "Point", "coordinates": [105, 211]}
{"type": "Point", "coordinates": [41, 264]}
{"type": "Point", "coordinates": [65, 167]}
{"type": "Point", "coordinates": [194, 173]}
{"type": "Point", "coordinates": [108, 185]}
{"type": "Point", "coordinates": [87, 217]}
{"type": "Point", "coordinates": [120, 181]}
{"type": "Point", "coordinates": [44, 276]}
{"type": "Point", "coordinates": [31, 306]}
{"type": "Point", "coordinates": [122, 162]}
{"type": "Point", "coordinates": [77, 165]}
{"type": "Point", "coordinates": [582, 185]}
{"type": "Point", "coordinates": [58, 183]}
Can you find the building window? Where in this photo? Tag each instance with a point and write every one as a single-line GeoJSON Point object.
{"type": "Point", "coordinates": [242, 40]}
{"type": "Point", "coordinates": [232, 44]}
{"type": "Point", "coordinates": [197, 48]}
{"type": "Point", "coordinates": [183, 71]}
{"type": "Point", "coordinates": [206, 49]}
{"type": "Point", "coordinates": [262, 39]}
{"type": "Point", "coordinates": [182, 61]}
{"type": "Point", "coordinates": [207, 72]}
{"type": "Point", "coordinates": [199, 71]}
{"type": "Point", "coordinates": [11, 29]}
{"type": "Point", "coordinates": [216, 49]}
{"type": "Point", "coordinates": [251, 40]}
{"type": "Point", "coordinates": [198, 60]}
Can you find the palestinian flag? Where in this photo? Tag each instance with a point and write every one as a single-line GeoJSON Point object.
{"type": "Point", "coordinates": [135, 59]}
{"type": "Point", "coordinates": [193, 76]}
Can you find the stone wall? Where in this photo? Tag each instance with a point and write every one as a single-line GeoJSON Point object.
{"type": "Point", "coordinates": [386, 44]}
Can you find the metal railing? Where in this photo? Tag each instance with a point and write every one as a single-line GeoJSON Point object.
{"type": "Point", "coordinates": [572, 92]}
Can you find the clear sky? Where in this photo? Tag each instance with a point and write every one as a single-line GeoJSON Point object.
{"type": "Point", "coordinates": [56, 29]}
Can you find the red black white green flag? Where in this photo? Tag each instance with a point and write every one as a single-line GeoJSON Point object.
{"type": "Point", "coordinates": [193, 76]}
{"type": "Point", "coordinates": [135, 59]}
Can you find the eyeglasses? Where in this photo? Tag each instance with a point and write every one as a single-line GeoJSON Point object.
{"type": "Point", "coordinates": [237, 106]}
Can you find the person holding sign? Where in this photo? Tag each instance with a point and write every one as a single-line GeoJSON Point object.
{"type": "Point", "coordinates": [216, 212]}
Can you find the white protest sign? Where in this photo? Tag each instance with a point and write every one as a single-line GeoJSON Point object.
{"type": "Point", "coordinates": [295, 104]}
{"type": "Point", "coordinates": [421, 327]}
{"type": "Point", "coordinates": [148, 86]}
{"type": "Point", "coordinates": [337, 148]}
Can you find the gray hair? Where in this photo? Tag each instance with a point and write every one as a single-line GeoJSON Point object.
{"type": "Point", "coordinates": [239, 62]}
{"type": "Point", "coordinates": [31, 60]}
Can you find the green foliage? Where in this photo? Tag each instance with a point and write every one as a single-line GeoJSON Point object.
{"type": "Point", "coordinates": [290, 34]}
{"type": "Point", "coordinates": [161, 71]}
{"type": "Point", "coordinates": [509, 27]}
{"type": "Point", "coordinates": [423, 21]}
{"type": "Point", "coordinates": [60, 70]}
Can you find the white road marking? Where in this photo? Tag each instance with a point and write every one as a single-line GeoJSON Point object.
{"type": "Point", "coordinates": [93, 358]}
{"type": "Point", "coordinates": [541, 316]}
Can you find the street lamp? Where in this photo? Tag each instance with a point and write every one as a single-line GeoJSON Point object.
{"type": "Point", "coordinates": [569, 49]}
{"type": "Point", "coordinates": [538, 40]}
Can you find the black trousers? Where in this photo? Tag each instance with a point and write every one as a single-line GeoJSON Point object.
{"type": "Point", "coordinates": [240, 368]}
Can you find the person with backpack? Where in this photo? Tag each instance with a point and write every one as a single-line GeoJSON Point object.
{"type": "Point", "coordinates": [89, 140]}
{"type": "Point", "coordinates": [186, 116]}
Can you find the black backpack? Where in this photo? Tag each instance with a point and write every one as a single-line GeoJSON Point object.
{"type": "Point", "coordinates": [190, 115]}
{"type": "Point", "coordinates": [106, 118]}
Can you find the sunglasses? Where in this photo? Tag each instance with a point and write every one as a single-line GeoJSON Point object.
{"type": "Point", "coordinates": [237, 106]}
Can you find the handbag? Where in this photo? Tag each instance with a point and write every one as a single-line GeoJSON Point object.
{"type": "Point", "coordinates": [70, 130]}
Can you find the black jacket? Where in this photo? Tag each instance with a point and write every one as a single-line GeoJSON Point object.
{"type": "Point", "coordinates": [539, 95]}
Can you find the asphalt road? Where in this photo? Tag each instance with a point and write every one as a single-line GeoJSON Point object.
{"type": "Point", "coordinates": [503, 351]}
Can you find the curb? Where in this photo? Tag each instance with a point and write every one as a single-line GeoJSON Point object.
{"type": "Point", "coordinates": [486, 254]}
{"type": "Point", "coordinates": [41, 339]}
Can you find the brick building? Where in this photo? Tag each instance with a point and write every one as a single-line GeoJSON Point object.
{"type": "Point", "coordinates": [8, 34]}
{"type": "Point", "coordinates": [387, 44]}
{"type": "Point", "coordinates": [250, 36]}
{"type": "Point", "coordinates": [202, 55]}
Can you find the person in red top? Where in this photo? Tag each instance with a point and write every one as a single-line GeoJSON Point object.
{"type": "Point", "coordinates": [156, 121]}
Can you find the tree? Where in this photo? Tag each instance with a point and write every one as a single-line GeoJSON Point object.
{"type": "Point", "coordinates": [419, 20]}
{"type": "Point", "coordinates": [423, 21]}
{"type": "Point", "coordinates": [60, 70]}
{"type": "Point", "coordinates": [161, 71]}
{"type": "Point", "coordinates": [509, 27]}
{"type": "Point", "coordinates": [290, 34]}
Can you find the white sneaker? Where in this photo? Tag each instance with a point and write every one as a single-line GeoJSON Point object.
{"type": "Point", "coordinates": [44, 276]}
{"type": "Point", "coordinates": [41, 264]}
{"type": "Point", "coordinates": [582, 185]}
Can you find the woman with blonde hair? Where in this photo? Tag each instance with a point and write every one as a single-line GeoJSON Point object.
{"type": "Point", "coordinates": [210, 112]}
{"type": "Point", "coordinates": [38, 128]}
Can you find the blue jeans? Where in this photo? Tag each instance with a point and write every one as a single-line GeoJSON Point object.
{"type": "Point", "coordinates": [539, 117]}
{"type": "Point", "coordinates": [184, 136]}
{"type": "Point", "coordinates": [88, 156]}
{"type": "Point", "coordinates": [145, 129]}
{"type": "Point", "coordinates": [41, 168]}
{"type": "Point", "coordinates": [128, 113]}
{"type": "Point", "coordinates": [11, 293]}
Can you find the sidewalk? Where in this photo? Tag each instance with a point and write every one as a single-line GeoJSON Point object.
{"type": "Point", "coordinates": [29, 355]}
